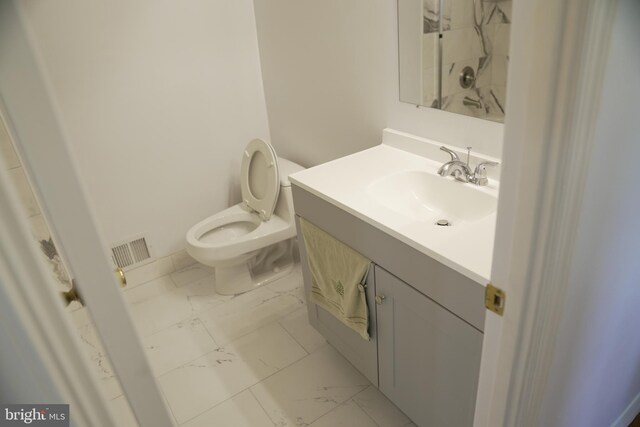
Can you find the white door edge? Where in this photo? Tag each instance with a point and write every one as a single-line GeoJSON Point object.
{"type": "Point", "coordinates": [554, 84]}
{"type": "Point", "coordinates": [33, 118]}
{"type": "Point", "coordinates": [28, 290]}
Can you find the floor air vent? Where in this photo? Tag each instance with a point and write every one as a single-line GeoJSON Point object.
{"type": "Point", "coordinates": [130, 253]}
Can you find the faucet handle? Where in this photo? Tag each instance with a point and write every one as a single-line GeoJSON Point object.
{"type": "Point", "coordinates": [487, 163]}
{"type": "Point", "coordinates": [480, 174]}
{"type": "Point", "coordinates": [453, 155]}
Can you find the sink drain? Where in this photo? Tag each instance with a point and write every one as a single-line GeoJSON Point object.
{"type": "Point", "coordinates": [443, 223]}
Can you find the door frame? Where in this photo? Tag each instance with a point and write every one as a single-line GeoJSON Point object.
{"type": "Point", "coordinates": [34, 122]}
{"type": "Point", "coordinates": [555, 79]}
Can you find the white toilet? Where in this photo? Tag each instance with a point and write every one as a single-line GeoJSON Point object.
{"type": "Point", "coordinates": [251, 243]}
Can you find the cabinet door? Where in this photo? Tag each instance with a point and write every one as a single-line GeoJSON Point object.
{"type": "Point", "coordinates": [429, 359]}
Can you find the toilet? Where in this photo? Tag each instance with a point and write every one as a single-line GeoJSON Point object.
{"type": "Point", "coordinates": [251, 243]}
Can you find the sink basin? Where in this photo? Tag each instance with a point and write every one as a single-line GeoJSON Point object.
{"type": "Point", "coordinates": [424, 196]}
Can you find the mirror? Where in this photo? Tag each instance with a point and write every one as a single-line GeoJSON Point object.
{"type": "Point", "coordinates": [454, 55]}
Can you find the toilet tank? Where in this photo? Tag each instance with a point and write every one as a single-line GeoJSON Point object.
{"type": "Point", "coordinates": [286, 168]}
{"type": "Point", "coordinates": [284, 206]}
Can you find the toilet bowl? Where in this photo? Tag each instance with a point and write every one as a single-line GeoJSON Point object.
{"type": "Point", "coordinates": [250, 244]}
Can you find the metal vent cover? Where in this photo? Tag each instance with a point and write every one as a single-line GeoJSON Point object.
{"type": "Point", "coordinates": [130, 253]}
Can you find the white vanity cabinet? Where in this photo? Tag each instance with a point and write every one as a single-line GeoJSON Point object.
{"type": "Point", "coordinates": [428, 358]}
{"type": "Point", "coordinates": [425, 326]}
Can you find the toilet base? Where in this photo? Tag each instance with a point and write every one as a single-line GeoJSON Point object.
{"type": "Point", "coordinates": [238, 279]}
{"type": "Point", "coordinates": [268, 265]}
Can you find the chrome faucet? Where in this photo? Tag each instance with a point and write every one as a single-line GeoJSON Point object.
{"type": "Point", "coordinates": [462, 172]}
{"type": "Point", "coordinates": [455, 167]}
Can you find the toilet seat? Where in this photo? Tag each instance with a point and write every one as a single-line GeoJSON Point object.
{"type": "Point", "coordinates": [259, 178]}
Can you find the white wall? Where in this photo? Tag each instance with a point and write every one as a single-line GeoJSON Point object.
{"type": "Point", "coordinates": [330, 71]}
{"type": "Point", "coordinates": [158, 99]}
{"type": "Point", "coordinates": [596, 368]}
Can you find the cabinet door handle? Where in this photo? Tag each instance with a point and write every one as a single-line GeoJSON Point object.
{"type": "Point", "coordinates": [379, 299]}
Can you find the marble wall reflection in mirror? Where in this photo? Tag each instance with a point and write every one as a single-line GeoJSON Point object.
{"type": "Point", "coordinates": [454, 55]}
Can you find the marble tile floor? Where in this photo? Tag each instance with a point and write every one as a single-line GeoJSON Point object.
{"type": "Point", "coordinates": [247, 360]}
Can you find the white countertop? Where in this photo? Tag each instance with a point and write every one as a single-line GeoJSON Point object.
{"type": "Point", "coordinates": [466, 248]}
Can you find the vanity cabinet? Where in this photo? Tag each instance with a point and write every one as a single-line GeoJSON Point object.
{"type": "Point", "coordinates": [425, 326]}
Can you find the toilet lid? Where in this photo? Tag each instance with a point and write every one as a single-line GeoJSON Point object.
{"type": "Point", "coordinates": [259, 180]}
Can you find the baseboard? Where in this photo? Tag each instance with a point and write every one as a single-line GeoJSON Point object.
{"type": "Point", "coordinates": [629, 414]}
{"type": "Point", "coordinates": [158, 267]}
